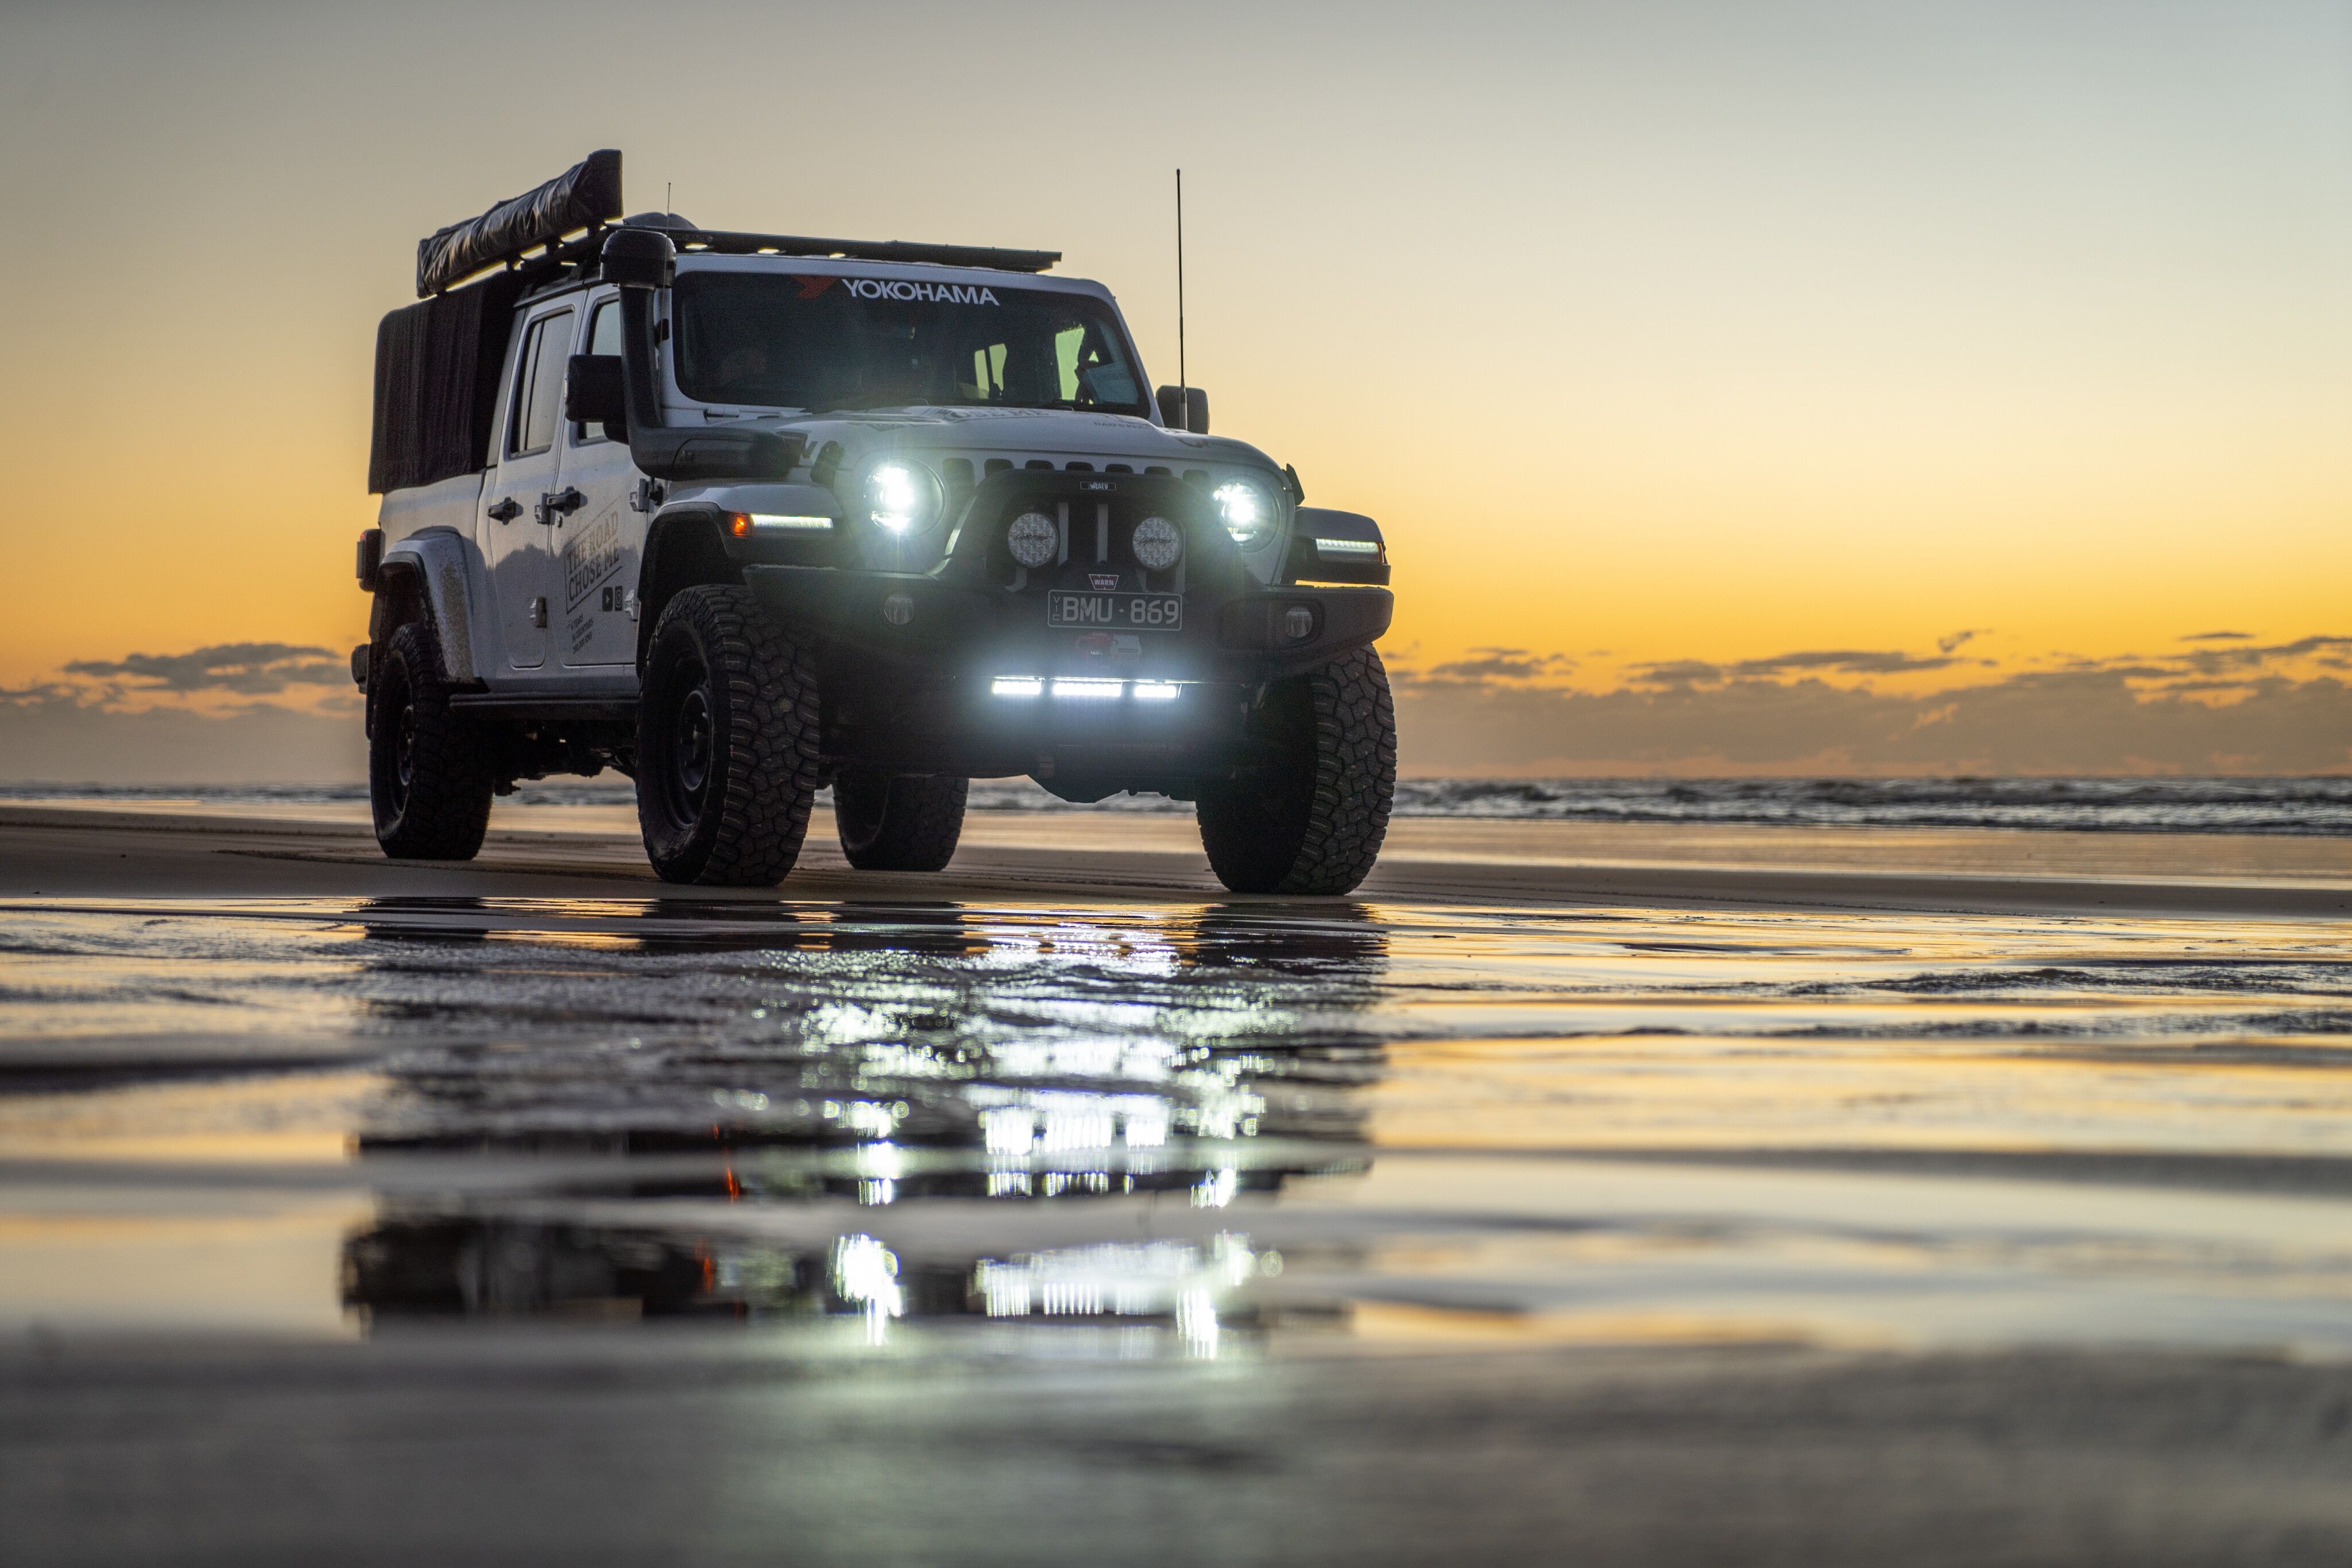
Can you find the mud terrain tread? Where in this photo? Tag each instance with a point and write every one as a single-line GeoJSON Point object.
{"type": "Point", "coordinates": [1313, 821]}
{"type": "Point", "coordinates": [1354, 776]}
{"type": "Point", "coordinates": [768, 739]}
{"type": "Point", "coordinates": [923, 820]}
{"type": "Point", "coordinates": [447, 811]}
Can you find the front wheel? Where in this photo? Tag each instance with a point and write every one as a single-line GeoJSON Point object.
{"type": "Point", "coordinates": [1310, 816]}
{"type": "Point", "coordinates": [727, 742]}
{"type": "Point", "coordinates": [429, 781]}
{"type": "Point", "coordinates": [898, 824]}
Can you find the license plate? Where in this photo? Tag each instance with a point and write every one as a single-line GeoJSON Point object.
{"type": "Point", "coordinates": [1127, 612]}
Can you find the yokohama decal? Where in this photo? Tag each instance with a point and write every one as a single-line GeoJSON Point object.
{"type": "Point", "coordinates": [929, 293]}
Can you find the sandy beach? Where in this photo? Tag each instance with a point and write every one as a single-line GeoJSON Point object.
{"type": "Point", "coordinates": [1639, 1194]}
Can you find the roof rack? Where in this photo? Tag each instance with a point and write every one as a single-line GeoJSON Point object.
{"type": "Point", "coordinates": [721, 242]}
{"type": "Point", "coordinates": [587, 197]}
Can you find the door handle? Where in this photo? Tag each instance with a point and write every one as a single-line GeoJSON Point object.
{"type": "Point", "coordinates": [553, 506]}
{"type": "Point", "coordinates": [508, 510]}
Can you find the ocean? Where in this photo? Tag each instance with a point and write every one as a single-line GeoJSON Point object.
{"type": "Point", "coordinates": [2309, 806]}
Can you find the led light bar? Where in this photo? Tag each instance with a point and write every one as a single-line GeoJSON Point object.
{"type": "Point", "coordinates": [1088, 690]}
{"type": "Point", "coordinates": [787, 520]}
{"type": "Point", "coordinates": [1346, 547]}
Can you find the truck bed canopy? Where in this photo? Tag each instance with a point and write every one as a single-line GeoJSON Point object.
{"type": "Point", "coordinates": [436, 384]}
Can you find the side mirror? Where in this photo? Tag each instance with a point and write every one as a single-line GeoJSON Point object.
{"type": "Point", "coordinates": [595, 393]}
{"type": "Point", "coordinates": [1184, 408]}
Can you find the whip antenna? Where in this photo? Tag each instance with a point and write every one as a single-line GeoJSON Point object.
{"type": "Point", "coordinates": [1183, 394]}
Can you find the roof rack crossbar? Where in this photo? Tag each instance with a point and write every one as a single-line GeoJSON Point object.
{"type": "Point", "coordinates": [726, 243]}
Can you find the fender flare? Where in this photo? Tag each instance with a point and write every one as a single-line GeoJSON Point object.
{"type": "Point", "coordinates": [683, 547]}
{"type": "Point", "coordinates": [438, 558]}
{"type": "Point", "coordinates": [1303, 563]}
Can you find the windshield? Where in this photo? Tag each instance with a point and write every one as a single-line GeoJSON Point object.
{"type": "Point", "coordinates": [825, 342]}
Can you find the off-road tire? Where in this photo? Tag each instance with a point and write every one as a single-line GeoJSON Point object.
{"type": "Point", "coordinates": [1310, 817]}
{"type": "Point", "coordinates": [727, 742]}
{"type": "Point", "coordinates": [428, 767]}
{"type": "Point", "coordinates": [898, 824]}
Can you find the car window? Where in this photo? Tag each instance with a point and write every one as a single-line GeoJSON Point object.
{"type": "Point", "coordinates": [847, 343]}
{"type": "Point", "coordinates": [542, 401]}
{"type": "Point", "coordinates": [603, 338]}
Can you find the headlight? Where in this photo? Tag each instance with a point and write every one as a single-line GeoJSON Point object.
{"type": "Point", "coordinates": [901, 498]}
{"type": "Point", "coordinates": [1033, 539]}
{"type": "Point", "coordinates": [1157, 544]}
{"type": "Point", "coordinates": [1248, 510]}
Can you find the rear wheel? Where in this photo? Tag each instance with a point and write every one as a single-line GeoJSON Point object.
{"type": "Point", "coordinates": [428, 768]}
{"type": "Point", "coordinates": [898, 824]}
{"type": "Point", "coordinates": [1310, 817]}
{"type": "Point", "coordinates": [727, 742]}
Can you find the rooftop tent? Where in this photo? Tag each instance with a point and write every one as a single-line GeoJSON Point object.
{"type": "Point", "coordinates": [436, 384]}
{"type": "Point", "coordinates": [581, 198]}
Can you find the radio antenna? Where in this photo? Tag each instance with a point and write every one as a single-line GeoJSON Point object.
{"type": "Point", "coordinates": [1183, 392]}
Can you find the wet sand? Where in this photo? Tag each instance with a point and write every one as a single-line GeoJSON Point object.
{"type": "Point", "coordinates": [1645, 1195]}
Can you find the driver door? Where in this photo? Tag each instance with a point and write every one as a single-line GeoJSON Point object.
{"type": "Point", "coordinates": [598, 548]}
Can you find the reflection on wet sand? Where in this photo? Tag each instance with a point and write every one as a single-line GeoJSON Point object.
{"type": "Point", "coordinates": [1167, 1115]}
{"type": "Point", "coordinates": [996, 1056]}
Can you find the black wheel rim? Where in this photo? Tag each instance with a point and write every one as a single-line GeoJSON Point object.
{"type": "Point", "coordinates": [861, 801]}
{"type": "Point", "coordinates": [690, 737]}
{"type": "Point", "coordinates": [403, 759]}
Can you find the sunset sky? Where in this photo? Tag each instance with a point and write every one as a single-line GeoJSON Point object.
{"type": "Point", "coordinates": [1864, 350]}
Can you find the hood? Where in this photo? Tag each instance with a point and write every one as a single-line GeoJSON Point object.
{"type": "Point", "coordinates": [1025, 433]}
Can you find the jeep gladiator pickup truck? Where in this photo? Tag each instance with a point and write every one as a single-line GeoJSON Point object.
{"type": "Point", "coordinates": [747, 516]}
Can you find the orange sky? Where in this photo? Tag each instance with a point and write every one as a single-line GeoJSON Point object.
{"type": "Point", "coordinates": [1698, 331]}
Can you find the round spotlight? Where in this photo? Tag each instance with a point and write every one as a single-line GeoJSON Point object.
{"type": "Point", "coordinates": [1157, 544]}
{"type": "Point", "coordinates": [1033, 539]}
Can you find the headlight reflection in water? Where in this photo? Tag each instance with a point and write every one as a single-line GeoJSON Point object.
{"type": "Point", "coordinates": [887, 1059]}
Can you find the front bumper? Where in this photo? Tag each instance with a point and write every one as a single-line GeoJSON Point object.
{"type": "Point", "coordinates": [1246, 637]}
{"type": "Point", "coordinates": [927, 675]}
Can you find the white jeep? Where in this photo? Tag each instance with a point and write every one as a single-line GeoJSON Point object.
{"type": "Point", "coordinates": [744, 515]}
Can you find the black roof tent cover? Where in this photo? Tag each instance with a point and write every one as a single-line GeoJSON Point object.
{"type": "Point", "coordinates": [436, 384]}
{"type": "Point", "coordinates": [581, 198]}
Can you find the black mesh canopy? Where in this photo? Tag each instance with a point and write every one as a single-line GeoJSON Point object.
{"type": "Point", "coordinates": [436, 384]}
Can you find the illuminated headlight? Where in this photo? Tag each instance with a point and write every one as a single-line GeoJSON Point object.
{"type": "Point", "coordinates": [1158, 543]}
{"type": "Point", "coordinates": [1033, 539]}
{"type": "Point", "coordinates": [901, 498]}
{"type": "Point", "coordinates": [1248, 510]}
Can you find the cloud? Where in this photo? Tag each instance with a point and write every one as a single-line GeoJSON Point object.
{"type": "Point", "coordinates": [1843, 661]}
{"type": "Point", "coordinates": [61, 739]}
{"type": "Point", "coordinates": [1848, 661]}
{"type": "Point", "coordinates": [1953, 644]}
{"type": "Point", "coordinates": [1677, 672]}
{"type": "Point", "coordinates": [1503, 664]}
{"type": "Point", "coordinates": [2219, 637]}
{"type": "Point", "coordinates": [2073, 721]}
{"type": "Point", "coordinates": [246, 669]}
{"type": "Point", "coordinates": [2221, 661]}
